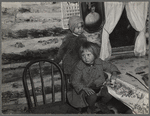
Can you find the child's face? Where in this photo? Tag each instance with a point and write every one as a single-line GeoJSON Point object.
{"type": "Point", "coordinates": [87, 57]}
{"type": "Point", "coordinates": [79, 29]}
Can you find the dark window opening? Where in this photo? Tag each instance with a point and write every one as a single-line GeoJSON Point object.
{"type": "Point", "coordinates": [123, 34]}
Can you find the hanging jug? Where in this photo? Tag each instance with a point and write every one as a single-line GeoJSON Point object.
{"type": "Point", "coordinates": [93, 16]}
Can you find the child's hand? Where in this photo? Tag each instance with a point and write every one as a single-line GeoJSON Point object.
{"type": "Point", "coordinates": [113, 78]}
{"type": "Point", "coordinates": [89, 91]}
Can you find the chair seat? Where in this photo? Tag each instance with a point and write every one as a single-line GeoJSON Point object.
{"type": "Point", "coordinates": [54, 108]}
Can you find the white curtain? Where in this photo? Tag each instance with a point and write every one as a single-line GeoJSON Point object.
{"type": "Point", "coordinates": [137, 14]}
{"type": "Point", "coordinates": [113, 11]}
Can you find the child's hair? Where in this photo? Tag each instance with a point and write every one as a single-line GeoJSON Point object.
{"type": "Point", "coordinates": [92, 47]}
{"type": "Point", "coordinates": [73, 22]}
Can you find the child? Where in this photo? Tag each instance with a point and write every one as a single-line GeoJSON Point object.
{"type": "Point", "coordinates": [88, 78]}
{"type": "Point", "coordinates": [71, 44]}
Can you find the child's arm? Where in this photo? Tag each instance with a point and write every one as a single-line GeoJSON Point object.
{"type": "Point", "coordinates": [88, 91]}
{"type": "Point", "coordinates": [111, 68]}
{"type": "Point", "coordinates": [113, 78]}
{"type": "Point", "coordinates": [76, 80]}
{"type": "Point", "coordinates": [62, 50]}
{"type": "Point", "coordinates": [113, 75]}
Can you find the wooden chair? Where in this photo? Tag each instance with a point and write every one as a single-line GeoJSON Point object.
{"type": "Point", "coordinates": [34, 75]}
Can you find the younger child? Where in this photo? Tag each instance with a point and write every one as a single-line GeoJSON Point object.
{"type": "Point", "coordinates": [71, 44]}
{"type": "Point", "coordinates": [88, 78]}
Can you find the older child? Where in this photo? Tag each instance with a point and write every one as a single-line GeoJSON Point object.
{"type": "Point", "coordinates": [88, 78]}
{"type": "Point", "coordinates": [71, 44]}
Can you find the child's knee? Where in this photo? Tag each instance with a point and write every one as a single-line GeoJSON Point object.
{"type": "Point", "coordinates": [91, 100]}
{"type": "Point", "coordinates": [92, 97]}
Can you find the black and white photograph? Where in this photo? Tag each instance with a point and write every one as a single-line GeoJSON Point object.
{"type": "Point", "coordinates": [75, 57]}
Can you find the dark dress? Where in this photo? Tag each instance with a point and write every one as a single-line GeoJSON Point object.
{"type": "Point", "coordinates": [68, 52]}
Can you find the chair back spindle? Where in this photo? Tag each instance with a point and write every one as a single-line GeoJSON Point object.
{"type": "Point", "coordinates": [42, 82]}
{"type": "Point", "coordinates": [33, 88]}
{"type": "Point", "coordinates": [28, 73]}
{"type": "Point", "coordinates": [53, 86]}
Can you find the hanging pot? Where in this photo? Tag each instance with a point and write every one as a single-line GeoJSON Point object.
{"type": "Point", "coordinates": [92, 18]}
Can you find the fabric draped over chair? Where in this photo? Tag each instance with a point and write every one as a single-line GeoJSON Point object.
{"type": "Point", "coordinates": [136, 13]}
